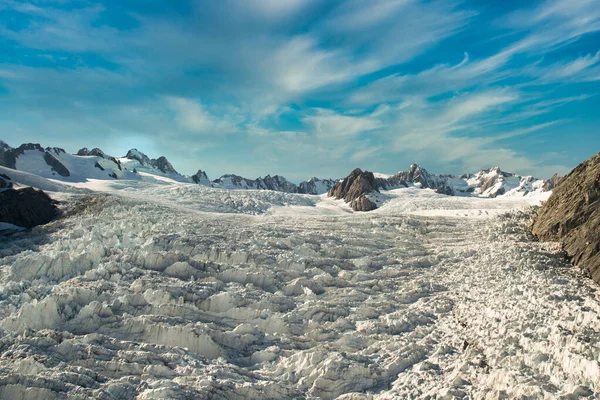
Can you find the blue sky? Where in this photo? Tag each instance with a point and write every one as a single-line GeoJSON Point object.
{"type": "Point", "coordinates": [307, 87]}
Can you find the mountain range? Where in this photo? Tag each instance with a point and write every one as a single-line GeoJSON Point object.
{"type": "Point", "coordinates": [56, 163]}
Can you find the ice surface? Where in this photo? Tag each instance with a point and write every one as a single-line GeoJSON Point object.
{"type": "Point", "coordinates": [182, 292]}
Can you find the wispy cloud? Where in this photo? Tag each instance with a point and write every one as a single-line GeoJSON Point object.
{"type": "Point", "coordinates": [337, 83]}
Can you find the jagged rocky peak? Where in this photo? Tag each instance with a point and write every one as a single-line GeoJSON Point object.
{"type": "Point", "coordinates": [161, 163]}
{"type": "Point", "coordinates": [316, 186]}
{"type": "Point", "coordinates": [201, 178]}
{"type": "Point", "coordinates": [135, 154]}
{"type": "Point", "coordinates": [164, 165]}
{"type": "Point", "coordinates": [94, 152]}
{"type": "Point", "coordinates": [354, 188]}
{"type": "Point", "coordinates": [572, 215]}
{"type": "Point", "coordinates": [277, 183]}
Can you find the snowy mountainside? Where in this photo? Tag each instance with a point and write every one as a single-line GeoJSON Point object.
{"type": "Point", "coordinates": [276, 183]}
{"type": "Point", "coordinates": [86, 165]}
{"type": "Point", "coordinates": [55, 163]}
{"type": "Point", "coordinates": [491, 182]}
{"type": "Point", "coordinates": [316, 186]}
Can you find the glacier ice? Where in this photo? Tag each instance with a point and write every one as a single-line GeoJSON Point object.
{"type": "Point", "coordinates": [196, 292]}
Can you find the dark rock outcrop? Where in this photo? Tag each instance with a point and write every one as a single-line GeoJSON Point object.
{"type": "Point", "coordinates": [354, 186]}
{"type": "Point", "coordinates": [56, 165]}
{"type": "Point", "coordinates": [572, 215]}
{"type": "Point", "coordinates": [116, 162]}
{"type": "Point", "coordinates": [200, 178]}
{"type": "Point", "coordinates": [135, 154]}
{"type": "Point", "coordinates": [26, 207]}
{"type": "Point", "coordinates": [97, 165]}
{"type": "Point", "coordinates": [277, 183]}
{"type": "Point", "coordinates": [362, 203]}
{"type": "Point", "coordinates": [5, 182]}
{"type": "Point", "coordinates": [163, 165]}
{"type": "Point", "coordinates": [83, 152]}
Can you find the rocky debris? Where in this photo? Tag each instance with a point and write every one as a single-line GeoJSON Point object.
{"type": "Point", "coordinates": [200, 178]}
{"type": "Point", "coordinates": [26, 207]}
{"type": "Point", "coordinates": [5, 182]}
{"type": "Point", "coordinates": [356, 185]}
{"type": "Point", "coordinates": [572, 215]}
{"type": "Point", "coordinates": [316, 186]}
{"type": "Point", "coordinates": [551, 183]}
{"type": "Point", "coordinates": [362, 203]}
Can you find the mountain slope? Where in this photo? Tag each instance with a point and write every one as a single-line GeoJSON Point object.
{"type": "Point", "coordinates": [572, 215]}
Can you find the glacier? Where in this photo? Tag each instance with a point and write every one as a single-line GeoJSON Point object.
{"type": "Point", "coordinates": [181, 291]}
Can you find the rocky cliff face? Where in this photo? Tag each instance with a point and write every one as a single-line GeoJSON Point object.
{"type": "Point", "coordinates": [572, 215]}
{"type": "Point", "coordinates": [26, 207]}
{"type": "Point", "coordinates": [354, 188]}
{"type": "Point", "coordinates": [201, 178]}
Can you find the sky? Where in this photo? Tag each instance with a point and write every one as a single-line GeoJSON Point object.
{"type": "Point", "coordinates": [307, 88]}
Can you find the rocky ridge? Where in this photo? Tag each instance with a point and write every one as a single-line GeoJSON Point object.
{"type": "Point", "coordinates": [572, 216]}
{"type": "Point", "coordinates": [355, 188]}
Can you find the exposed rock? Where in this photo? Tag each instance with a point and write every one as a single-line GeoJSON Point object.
{"type": "Point", "coordinates": [552, 183]}
{"type": "Point", "coordinates": [5, 182]}
{"type": "Point", "coordinates": [135, 154]}
{"type": "Point", "coordinates": [362, 203]}
{"type": "Point", "coordinates": [26, 207]}
{"type": "Point", "coordinates": [56, 165]}
{"type": "Point", "coordinates": [316, 186]}
{"type": "Point", "coordinates": [97, 165]}
{"type": "Point", "coordinates": [56, 150]}
{"type": "Point", "coordinates": [277, 183]}
{"type": "Point", "coordinates": [113, 175]}
{"type": "Point", "coordinates": [200, 178]}
{"type": "Point", "coordinates": [572, 215]}
{"type": "Point", "coordinates": [355, 185]}
{"type": "Point", "coordinates": [83, 152]}
{"type": "Point", "coordinates": [418, 176]}
{"type": "Point", "coordinates": [116, 162]}
{"type": "Point", "coordinates": [8, 155]}
{"type": "Point", "coordinates": [96, 152]}
{"type": "Point", "coordinates": [163, 165]}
